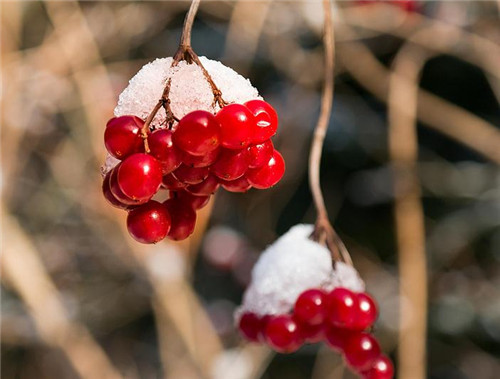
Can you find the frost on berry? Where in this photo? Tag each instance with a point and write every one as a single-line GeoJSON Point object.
{"type": "Point", "coordinates": [291, 265]}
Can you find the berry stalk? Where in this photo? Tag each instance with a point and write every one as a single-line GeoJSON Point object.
{"type": "Point", "coordinates": [324, 231]}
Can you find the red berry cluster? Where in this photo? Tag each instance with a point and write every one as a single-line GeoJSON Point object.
{"type": "Point", "coordinates": [340, 317]}
{"type": "Point", "coordinates": [232, 149]}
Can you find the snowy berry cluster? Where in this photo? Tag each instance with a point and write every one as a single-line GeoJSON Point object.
{"type": "Point", "coordinates": [339, 317]}
{"type": "Point", "coordinates": [232, 149]}
{"type": "Point", "coordinates": [296, 296]}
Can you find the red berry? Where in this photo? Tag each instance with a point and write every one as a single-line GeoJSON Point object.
{"type": "Point", "coordinates": [236, 126]}
{"type": "Point", "coordinates": [269, 174]}
{"type": "Point", "coordinates": [250, 326]}
{"type": "Point", "coordinates": [260, 154]}
{"type": "Point", "coordinates": [122, 136]}
{"type": "Point", "coordinates": [183, 219]}
{"type": "Point", "coordinates": [342, 307]}
{"type": "Point", "coordinates": [200, 160]}
{"type": "Point", "coordinates": [196, 202]}
{"type": "Point", "coordinates": [361, 350]}
{"type": "Point", "coordinates": [162, 148]}
{"type": "Point", "coordinates": [266, 120]}
{"type": "Point", "coordinates": [149, 223]}
{"type": "Point", "coordinates": [116, 190]}
{"type": "Point", "coordinates": [366, 313]}
{"type": "Point", "coordinates": [139, 176]}
{"type": "Point", "coordinates": [197, 133]}
{"type": "Point", "coordinates": [282, 334]}
{"type": "Point", "coordinates": [108, 195]}
{"type": "Point", "coordinates": [206, 187]}
{"type": "Point", "coordinates": [172, 183]}
{"type": "Point", "coordinates": [191, 175]}
{"type": "Point", "coordinates": [382, 368]}
{"type": "Point", "coordinates": [312, 333]}
{"type": "Point", "coordinates": [310, 307]}
{"type": "Point", "coordinates": [238, 185]}
{"type": "Point", "coordinates": [231, 164]}
{"type": "Point", "coordinates": [337, 338]}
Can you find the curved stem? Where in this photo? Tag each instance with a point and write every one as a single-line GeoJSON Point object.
{"type": "Point", "coordinates": [188, 24]}
{"type": "Point", "coordinates": [323, 230]}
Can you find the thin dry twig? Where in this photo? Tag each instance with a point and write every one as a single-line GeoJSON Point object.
{"type": "Point", "coordinates": [25, 271]}
{"type": "Point", "coordinates": [409, 214]}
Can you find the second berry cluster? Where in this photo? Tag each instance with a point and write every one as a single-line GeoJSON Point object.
{"type": "Point", "coordinates": [340, 317]}
{"type": "Point", "coordinates": [191, 160]}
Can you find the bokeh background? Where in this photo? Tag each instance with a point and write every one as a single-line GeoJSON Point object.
{"type": "Point", "coordinates": [80, 298]}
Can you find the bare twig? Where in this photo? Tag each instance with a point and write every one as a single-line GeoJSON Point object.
{"type": "Point", "coordinates": [323, 231]}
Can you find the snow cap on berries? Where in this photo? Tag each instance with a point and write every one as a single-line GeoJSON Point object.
{"type": "Point", "coordinates": [288, 267]}
{"type": "Point", "coordinates": [189, 90]}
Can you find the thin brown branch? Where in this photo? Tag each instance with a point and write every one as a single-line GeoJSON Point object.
{"type": "Point", "coordinates": [188, 24]}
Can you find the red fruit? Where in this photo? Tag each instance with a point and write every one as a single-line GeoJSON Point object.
{"type": "Point", "coordinates": [108, 195]}
{"type": "Point", "coordinates": [266, 120]}
{"type": "Point", "coordinates": [191, 175]}
{"type": "Point", "coordinates": [162, 148]}
{"type": "Point", "coordinates": [231, 164]}
{"type": "Point", "coordinates": [139, 176]}
{"type": "Point", "coordinates": [238, 185]}
{"type": "Point", "coordinates": [196, 202]}
{"type": "Point", "coordinates": [366, 313]}
{"type": "Point", "coordinates": [197, 133]}
{"type": "Point", "coordinates": [172, 183]}
{"type": "Point", "coordinates": [260, 154]}
{"type": "Point", "coordinates": [382, 368]}
{"type": "Point", "coordinates": [337, 338]}
{"type": "Point", "coordinates": [312, 333]}
{"type": "Point", "coordinates": [122, 136]}
{"type": "Point", "coordinates": [342, 307]}
{"type": "Point", "coordinates": [361, 350]}
{"type": "Point", "coordinates": [310, 307]}
{"type": "Point", "coordinates": [269, 174]}
{"type": "Point", "coordinates": [117, 192]}
{"type": "Point", "coordinates": [236, 126]}
{"type": "Point", "coordinates": [206, 187]}
{"type": "Point", "coordinates": [250, 326]}
{"type": "Point", "coordinates": [149, 223]}
{"type": "Point", "coordinates": [200, 160]}
{"type": "Point", "coordinates": [183, 219]}
{"type": "Point", "coordinates": [282, 334]}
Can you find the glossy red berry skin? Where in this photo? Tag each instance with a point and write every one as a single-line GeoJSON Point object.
{"type": "Point", "coordinates": [117, 192]}
{"type": "Point", "coordinates": [139, 176]}
{"type": "Point", "coordinates": [266, 120]}
{"type": "Point", "coordinates": [191, 175]}
{"type": "Point", "coordinates": [238, 185]}
{"type": "Point", "coordinates": [122, 136]}
{"type": "Point", "coordinates": [311, 333]}
{"type": "Point", "coordinates": [361, 350]}
{"type": "Point", "coordinates": [236, 126]}
{"type": "Point", "coordinates": [149, 223]}
{"type": "Point", "coordinates": [269, 174]}
{"type": "Point", "coordinates": [108, 195]}
{"type": "Point", "coordinates": [170, 182]}
{"type": "Point", "coordinates": [197, 133]}
{"type": "Point", "coordinates": [250, 326]}
{"type": "Point", "coordinates": [342, 308]}
{"type": "Point", "coordinates": [161, 147]}
{"type": "Point", "coordinates": [382, 368]}
{"type": "Point", "coordinates": [260, 154]}
{"type": "Point", "coordinates": [366, 313]}
{"type": "Point", "coordinates": [310, 307]}
{"type": "Point", "coordinates": [201, 160]}
{"type": "Point", "coordinates": [196, 202]}
{"type": "Point", "coordinates": [336, 338]}
{"type": "Point", "coordinates": [206, 187]}
{"type": "Point", "coordinates": [282, 334]}
{"type": "Point", "coordinates": [231, 164]}
{"type": "Point", "coordinates": [183, 219]}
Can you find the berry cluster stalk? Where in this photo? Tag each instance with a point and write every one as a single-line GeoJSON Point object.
{"type": "Point", "coordinates": [323, 231]}
{"type": "Point", "coordinates": [184, 53]}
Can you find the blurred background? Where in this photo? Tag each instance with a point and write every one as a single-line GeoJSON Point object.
{"type": "Point", "coordinates": [80, 298]}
